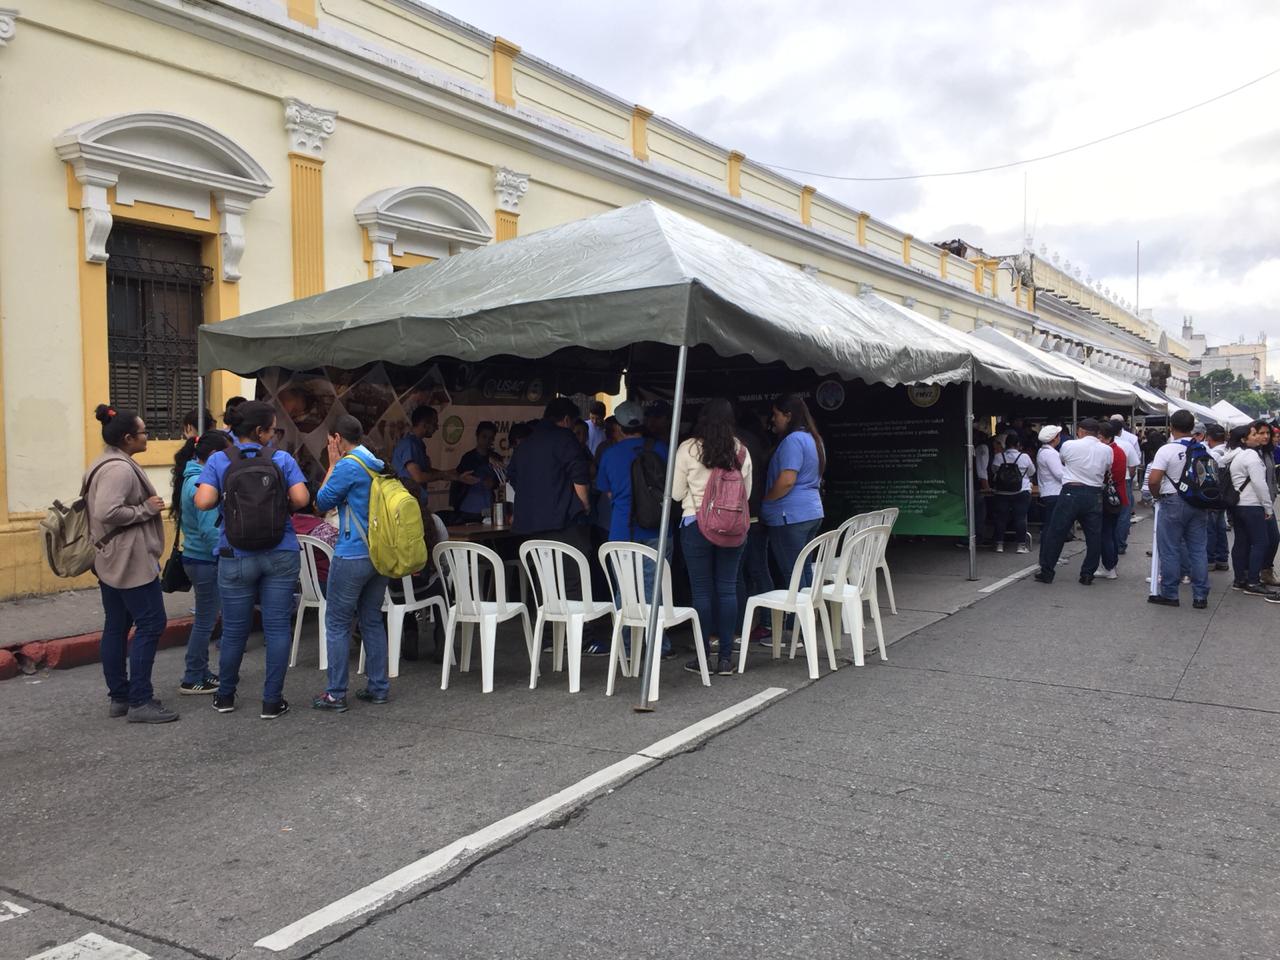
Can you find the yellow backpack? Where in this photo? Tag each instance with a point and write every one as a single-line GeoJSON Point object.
{"type": "Point", "coordinates": [396, 542]}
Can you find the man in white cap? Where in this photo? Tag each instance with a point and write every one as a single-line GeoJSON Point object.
{"type": "Point", "coordinates": [1048, 472]}
{"type": "Point", "coordinates": [1128, 442]}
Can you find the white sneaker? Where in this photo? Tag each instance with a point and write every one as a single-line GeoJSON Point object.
{"type": "Point", "coordinates": [1022, 548]}
{"type": "Point", "coordinates": [999, 548]}
{"type": "Point", "coordinates": [1109, 574]}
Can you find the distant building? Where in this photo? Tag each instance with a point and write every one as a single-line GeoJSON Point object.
{"type": "Point", "coordinates": [1248, 360]}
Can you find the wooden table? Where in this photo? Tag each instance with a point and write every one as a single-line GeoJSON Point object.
{"type": "Point", "coordinates": [479, 532]}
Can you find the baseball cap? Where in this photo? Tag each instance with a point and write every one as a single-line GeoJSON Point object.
{"type": "Point", "coordinates": [1197, 427]}
{"type": "Point", "coordinates": [1048, 433]}
{"type": "Point", "coordinates": [1119, 417]}
{"type": "Point", "coordinates": [629, 415]}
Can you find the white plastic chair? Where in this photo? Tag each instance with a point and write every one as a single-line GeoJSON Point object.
{"type": "Point", "coordinates": [312, 594]}
{"type": "Point", "coordinates": [396, 613]}
{"type": "Point", "coordinates": [800, 601]}
{"type": "Point", "coordinates": [464, 567]}
{"type": "Point", "coordinates": [544, 562]}
{"type": "Point", "coordinates": [855, 585]}
{"type": "Point", "coordinates": [889, 517]}
{"type": "Point", "coordinates": [844, 532]}
{"type": "Point", "coordinates": [625, 561]}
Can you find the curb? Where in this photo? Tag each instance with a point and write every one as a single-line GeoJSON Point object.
{"type": "Point", "coordinates": [79, 651]}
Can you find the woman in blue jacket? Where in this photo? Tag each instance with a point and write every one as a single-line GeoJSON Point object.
{"type": "Point", "coordinates": [355, 589]}
{"type": "Point", "coordinates": [198, 530]}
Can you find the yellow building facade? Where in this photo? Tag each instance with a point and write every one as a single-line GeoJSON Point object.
{"type": "Point", "coordinates": [168, 163]}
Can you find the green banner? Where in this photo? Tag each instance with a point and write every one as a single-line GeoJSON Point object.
{"type": "Point", "coordinates": [898, 447]}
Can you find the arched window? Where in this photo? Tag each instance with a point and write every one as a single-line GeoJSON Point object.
{"type": "Point", "coordinates": [407, 226]}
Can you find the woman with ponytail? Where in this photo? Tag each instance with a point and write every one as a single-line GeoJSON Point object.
{"type": "Point", "coordinates": [792, 508]}
{"type": "Point", "coordinates": [199, 532]}
{"type": "Point", "coordinates": [127, 529]}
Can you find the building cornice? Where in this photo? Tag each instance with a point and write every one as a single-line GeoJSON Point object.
{"type": "Point", "coordinates": [260, 28]}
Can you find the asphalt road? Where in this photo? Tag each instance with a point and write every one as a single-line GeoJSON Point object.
{"type": "Point", "coordinates": [1055, 771]}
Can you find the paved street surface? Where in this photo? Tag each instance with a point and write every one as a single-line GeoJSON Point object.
{"type": "Point", "coordinates": [1048, 772]}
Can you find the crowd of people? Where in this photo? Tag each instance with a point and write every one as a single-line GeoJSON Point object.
{"type": "Point", "coordinates": [240, 503]}
{"type": "Point", "coordinates": [1202, 480]}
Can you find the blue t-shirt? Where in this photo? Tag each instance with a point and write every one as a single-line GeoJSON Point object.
{"type": "Point", "coordinates": [409, 449]}
{"type": "Point", "coordinates": [797, 452]}
{"type": "Point", "coordinates": [215, 469]}
{"type": "Point", "coordinates": [614, 478]}
{"type": "Point", "coordinates": [347, 491]}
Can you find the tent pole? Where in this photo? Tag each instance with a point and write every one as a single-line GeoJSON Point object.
{"type": "Point", "coordinates": [1075, 411]}
{"type": "Point", "coordinates": [664, 531]}
{"type": "Point", "coordinates": [199, 406]}
{"type": "Point", "coordinates": [970, 467]}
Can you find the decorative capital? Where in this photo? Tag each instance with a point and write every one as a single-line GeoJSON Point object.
{"type": "Point", "coordinates": [644, 113]}
{"type": "Point", "coordinates": [308, 127]}
{"type": "Point", "coordinates": [909, 302]}
{"type": "Point", "coordinates": [506, 47]}
{"type": "Point", "coordinates": [945, 314]}
{"type": "Point", "coordinates": [509, 187]}
{"type": "Point", "coordinates": [8, 24]}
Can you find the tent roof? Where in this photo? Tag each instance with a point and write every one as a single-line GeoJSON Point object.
{"type": "Point", "coordinates": [637, 274]}
{"type": "Point", "coordinates": [1093, 385]}
{"type": "Point", "coordinates": [993, 364]}
{"type": "Point", "coordinates": [1230, 415]}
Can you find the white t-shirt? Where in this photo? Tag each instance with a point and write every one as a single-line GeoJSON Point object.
{"type": "Point", "coordinates": [1025, 467]}
{"type": "Point", "coordinates": [1172, 459]}
{"type": "Point", "coordinates": [1085, 461]}
{"type": "Point", "coordinates": [1049, 471]}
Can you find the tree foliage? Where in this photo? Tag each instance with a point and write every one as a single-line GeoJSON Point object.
{"type": "Point", "coordinates": [1218, 385]}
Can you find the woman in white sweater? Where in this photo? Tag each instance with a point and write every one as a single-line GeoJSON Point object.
{"type": "Point", "coordinates": [713, 570]}
{"type": "Point", "coordinates": [1250, 516]}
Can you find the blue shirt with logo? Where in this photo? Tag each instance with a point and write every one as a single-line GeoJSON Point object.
{"type": "Point", "coordinates": [347, 491]}
{"type": "Point", "coordinates": [614, 478]}
{"type": "Point", "coordinates": [215, 469]}
{"type": "Point", "coordinates": [797, 452]}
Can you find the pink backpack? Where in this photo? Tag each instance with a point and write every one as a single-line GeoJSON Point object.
{"type": "Point", "coordinates": [724, 517]}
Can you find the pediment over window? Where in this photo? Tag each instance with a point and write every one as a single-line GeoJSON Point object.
{"type": "Point", "coordinates": [420, 220]}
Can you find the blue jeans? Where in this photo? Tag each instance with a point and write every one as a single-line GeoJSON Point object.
{"type": "Point", "coordinates": [1074, 503]}
{"type": "Point", "coordinates": [1122, 522]}
{"type": "Point", "coordinates": [1217, 537]}
{"type": "Point", "coordinates": [1249, 551]}
{"type": "Point", "coordinates": [713, 580]}
{"type": "Point", "coordinates": [142, 607]}
{"type": "Point", "coordinates": [787, 541]}
{"type": "Point", "coordinates": [355, 590]}
{"type": "Point", "coordinates": [204, 582]}
{"type": "Point", "coordinates": [1110, 545]}
{"type": "Point", "coordinates": [755, 576]}
{"type": "Point", "coordinates": [267, 579]}
{"type": "Point", "coordinates": [1181, 527]}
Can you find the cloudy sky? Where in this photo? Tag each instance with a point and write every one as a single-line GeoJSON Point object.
{"type": "Point", "coordinates": [885, 89]}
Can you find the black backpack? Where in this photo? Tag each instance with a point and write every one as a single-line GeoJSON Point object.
{"type": "Point", "coordinates": [255, 504]}
{"type": "Point", "coordinates": [648, 484]}
{"type": "Point", "coordinates": [1228, 492]}
{"type": "Point", "coordinates": [1007, 477]}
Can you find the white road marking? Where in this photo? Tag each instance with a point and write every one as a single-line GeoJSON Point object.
{"type": "Point", "coordinates": [1011, 578]}
{"type": "Point", "coordinates": [417, 873]}
{"type": "Point", "coordinates": [91, 947]}
{"type": "Point", "coordinates": [11, 911]}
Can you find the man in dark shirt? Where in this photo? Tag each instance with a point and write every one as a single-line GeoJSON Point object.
{"type": "Point", "coordinates": [551, 476]}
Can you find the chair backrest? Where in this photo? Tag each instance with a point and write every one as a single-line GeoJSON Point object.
{"type": "Point", "coordinates": [308, 575]}
{"type": "Point", "coordinates": [463, 567]}
{"type": "Point", "coordinates": [544, 561]}
{"type": "Point", "coordinates": [889, 517]}
{"type": "Point", "coordinates": [859, 556]}
{"type": "Point", "coordinates": [817, 553]}
{"type": "Point", "coordinates": [625, 561]}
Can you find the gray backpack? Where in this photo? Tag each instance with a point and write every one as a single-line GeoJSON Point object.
{"type": "Point", "coordinates": [64, 534]}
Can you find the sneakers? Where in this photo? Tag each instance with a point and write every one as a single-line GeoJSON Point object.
{"type": "Point", "coordinates": [367, 696]}
{"type": "Point", "coordinates": [153, 711]}
{"type": "Point", "coordinates": [204, 686]}
{"type": "Point", "coordinates": [1185, 580]}
{"type": "Point", "coordinates": [725, 668]}
{"type": "Point", "coordinates": [1222, 566]}
{"type": "Point", "coordinates": [1086, 579]}
{"type": "Point", "coordinates": [326, 702]}
{"type": "Point", "coordinates": [1000, 547]}
{"type": "Point", "coordinates": [1023, 548]}
{"type": "Point", "coordinates": [1258, 590]}
{"type": "Point", "coordinates": [275, 710]}
{"type": "Point", "coordinates": [1042, 577]}
{"type": "Point", "coordinates": [224, 704]}
{"type": "Point", "coordinates": [596, 649]}
{"type": "Point", "coordinates": [1163, 601]}
{"type": "Point", "coordinates": [1269, 578]}
{"type": "Point", "coordinates": [117, 708]}
{"type": "Point", "coordinates": [1109, 574]}
{"type": "Point", "coordinates": [693, 666]}
{"type": "Point", "coordinates": [1200, 603]}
